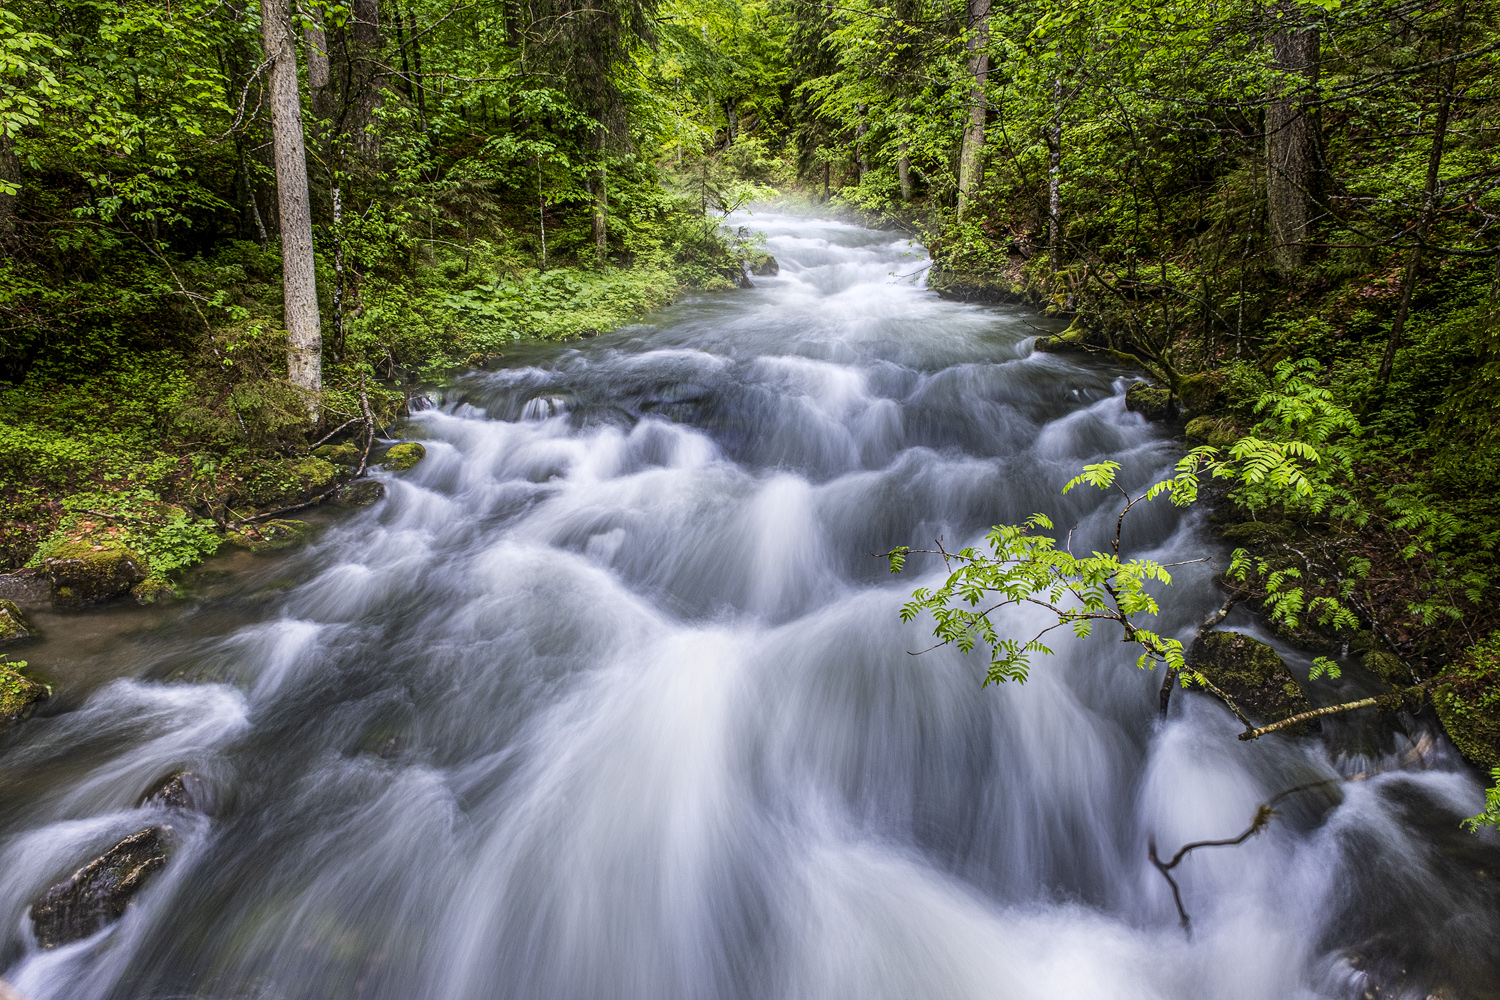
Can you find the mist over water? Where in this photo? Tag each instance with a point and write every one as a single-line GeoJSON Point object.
{"type": "Point", "coordinates": [609, 699]}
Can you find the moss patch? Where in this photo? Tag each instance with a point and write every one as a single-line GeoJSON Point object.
{"type": "Point", "coordinates": [270, 535]}
{"type": "Point", "coordinates": [1252, 674]}
{"type": "Point", "coordinates": [1469, 705]}
{"type": "Point", "coordinates": [1149, 401]}
{"type": "Point", "coordinates": [286, 482]}
{"type": "Point", "coordinates": [1217, 431]}
{"type": "Point", "coordinates": [403, 456]}
{"type": "Point", "coordinates": [18, 694]}
{"type": "Point", "coordinates": [338, 454]}
{"type": "Point", "coordinates": [91, 570]}
{"type": "Point", "coordinates": [13, 625]}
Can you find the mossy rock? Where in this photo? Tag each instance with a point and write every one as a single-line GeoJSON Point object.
{"type": "Point", "coordinates": [90, 571]}
{"type": "Point", "coordinates": [287, 481]}
{"type": "Point", "coordinates": [13, 625]}
{"type": "Point", "coordinates": [401, 457]}
{"type": "Point", "coordinates": [18, 694]}
{"type": "Point", "coordinates": [762, 264]}
{"type": "Point", "coordinates": [152, 590]}
{"type": "Point", "coordinates": [1150, 401]}
{"type": "Point", "coordinates": [1217, 431]}
{"type": "Point", "coordinates": [1252, 674]}
{"type": "Point", "coordinates": [338, 454]}
{"type": "Point", "coordinates": [1469, 708]}
{"type": "Point", "coordinates": [1202, 393]}
{"type": "Point", "coordinates": [360, 493]}
{"type": "Point", "coordinates": [1067, 342]}
{"type": "Point", "coordinates": [270, 536]}
{"type": "Point", "coordinates": [1387, 666]}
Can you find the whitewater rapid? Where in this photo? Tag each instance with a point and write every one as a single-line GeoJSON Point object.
{"type": "Point", "coordinates": [609, 698]}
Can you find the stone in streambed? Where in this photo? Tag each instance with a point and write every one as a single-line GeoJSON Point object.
{"type": "Point", "coordinates": [269, 536]}
{"type": "Point", "coordinates": [338, 454]}
{"type": "Point", "coordinates": [1221, 432]}
{"type": "Point", "coordinates": [97, 894]}
{"type": "Point", "coordinates": [181, 790]}
{"type": "Point", "coordinates": [18, 695]}
{"type": "Point", "coordinates": [91, 571]}
{"type": "Point", "coordinates": [13, 625]}
{"type": "Point", "coordinates": [360, 493]}
{"type": "Point", "coordinates": [401, 457]}
{"type": "Point", "coordinates": [1149, 401]}
{"type": "Point", "coordinates": [1252, 674]}
{"type": "Point", "coordinates": [1068, 342]}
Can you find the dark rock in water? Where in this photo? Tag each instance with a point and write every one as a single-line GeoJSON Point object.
{"type": "Point", "coordinates": [1150, 402]}
{"type": "Point", "coordinates": [18, 695]}
{"type": "Point", "coordinates": [763, 265]}
{"type": "Point", "coordinates": [97, 894]}
{"type": "Point", "coordinates": [84, 572]}
{"type": "Point", "coordinates": [26, 586]}
{"type": "Point", "coordinates": [360, 493]}
{"type": "Point", "coordinates": [1252, 674]}
{"type": "Point", "coordinates": [183, 790]}
{"type": "Point", "coordinates": [13, 625]}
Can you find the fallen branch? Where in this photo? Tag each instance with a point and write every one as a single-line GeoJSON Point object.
{"type": "Point", "coordinates": [340, 427]}
{"type": "Point", "coordinates": [1252, 733]}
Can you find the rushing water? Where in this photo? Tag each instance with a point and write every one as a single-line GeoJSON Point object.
{"type": "Point", "coordinates": [609, 699]}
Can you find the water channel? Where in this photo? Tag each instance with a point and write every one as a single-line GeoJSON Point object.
{"type": "Point", "coordinates": [609, 699]}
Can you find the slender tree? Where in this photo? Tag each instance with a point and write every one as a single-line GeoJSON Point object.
{"type": "Point", "coordinates": [1291, 137]}
{"type": "Point", "coordinates": [971, 158]}
{"type": "Point", "coordinates": [299, 284]}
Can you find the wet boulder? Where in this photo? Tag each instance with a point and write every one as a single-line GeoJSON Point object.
{"type": "Point", "coordinates": [273, 535]}
{"type": "Point", "coordinates": [1150, 401]}
{"type": "Point", "coordinates": [1468, 706]}
{"type": "Point", "coordinates": [13, 625]}
{"type": "Point", "coordinates": [360, 493]}
{"type": "Point", "coordinates": [1252, 674]}
{"type": "Point", "coordinates": [19, 694]}
{"type": "Point", "coordinates": [97, 894]}
{"type": "Point", "coordinates": [181, 790]}
{"type": "Point", "coordinates": [762, 264]}
{"type": "Point", "coordinates": [401, 457]}
{"type": "Point", "coordinates": [91, 571]}
{"type": "Point", "coordinates": [286, 482]}
{"type": "Point", "coordinates": [1202, 392]}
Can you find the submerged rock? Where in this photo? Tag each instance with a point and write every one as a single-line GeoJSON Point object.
{"type": "Point", "coordinates": [1149, 401]}
{"type": "Point", "coordinates": [403, 456]}
{"type": "Point", "coordinates": [181, 790]}
{"type": "Point", "coordinates": [762, 264]}
{"type": "Point", "coordinates": [1252, 674]}
{"type": "Point", "coordinates": [360, 493]}
{"type": "Point", "coordinates": [97, 894]}
{"type": "Point", "coordinates": [13, 625]}
{"type": "Point", "coordinates": [90, 572]}
{"type": "Point", "coordinates": [18, 694]}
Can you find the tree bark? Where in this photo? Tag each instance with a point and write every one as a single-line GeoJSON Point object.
{"type": "Point", "coordinates": [319, 77]}
{"type": "Point", "coordinates": [364, 33]}
{"type": "Point", "coordinates": [731, 123]}
{"type": "Point", "coordinates": [1424, 221]}
{"type": "Point", "coordinates": [599, 188]}
{"type": "Point", "coordinates": [10, 174]}
{"type": "Point", "coordinates": [860, 131]}
{"type": "Point", "coordinates": [304, 335]}
{"type": "Point", "coordinates": [971, 158]}
{"type": "Point", "coordinates": [1291, 142]}
{"type": "Point", "coordinates": [903, 169]}
{"type": "Point", "coordinates": [1054, 181]}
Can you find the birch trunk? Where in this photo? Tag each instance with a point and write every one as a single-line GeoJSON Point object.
{"type": "Point", "coordinates": [304, 354]}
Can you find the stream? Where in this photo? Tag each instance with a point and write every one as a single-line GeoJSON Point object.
{"type": "Point", "coordinates": [609, 700]}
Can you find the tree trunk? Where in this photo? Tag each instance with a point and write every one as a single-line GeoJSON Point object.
{"type": "Point", "coordinates": [1054, 182]}
{"type": "Point", "coordinates": [1291, 142]}
{"type": "Point", "coordinates": [971, 158]}
{"type": "Point", "coordinates": [600, 190]}
{"type": "Point", "coordinates": [315, 42]}
{"type": "Point", "coordinates": [364, 33]}
{"type": "Point", "coordinates": [731, 123]}
{"type": "Point", "coordinates": [860, 131]}
{"type": "Point", "coordinates": [1429, 210]}
{"type": "Point", "coordinates": [10, 177]}
{"type": "Point", "coordinates": [304, 335]}
{"type": "Point", "coordinates": [903, 169]}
